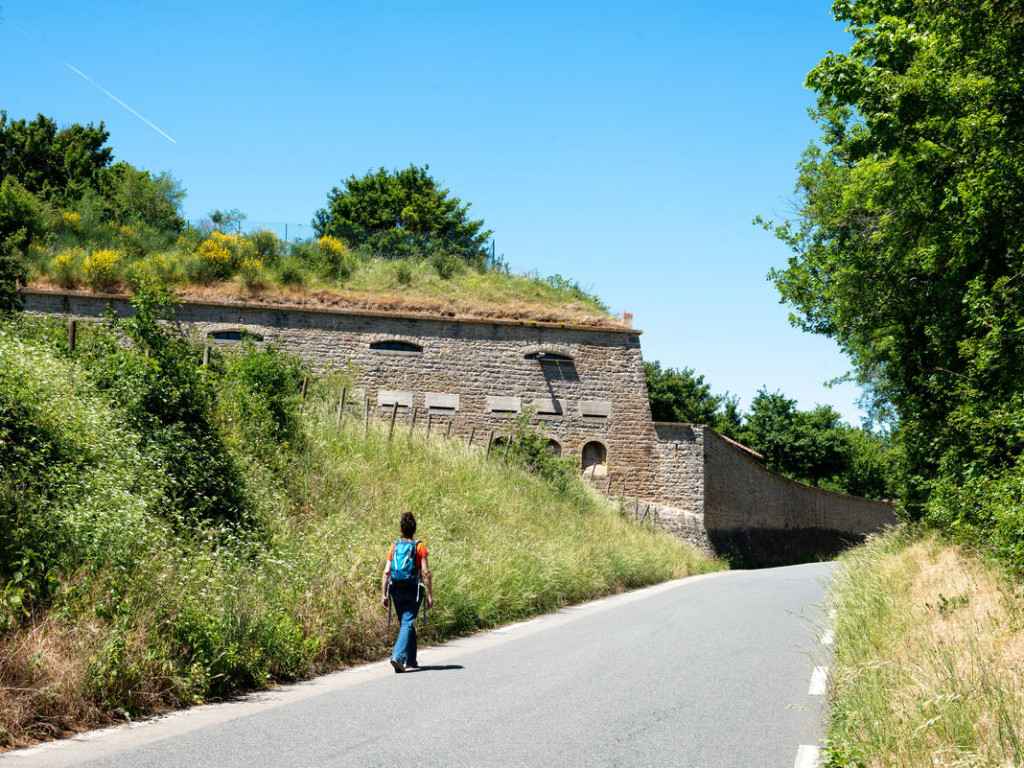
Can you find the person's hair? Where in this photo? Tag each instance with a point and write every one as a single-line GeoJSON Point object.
{"type": "Point", "coordinates": [408, 525]}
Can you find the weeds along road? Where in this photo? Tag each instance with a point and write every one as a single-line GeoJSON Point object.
{"type": "Point", "coordinates": [704, 672]}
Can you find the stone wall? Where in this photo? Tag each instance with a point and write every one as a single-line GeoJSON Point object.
{"type": "Point", "coordinates": [586, 384]}
{"type": "Point", "coordinates": [714, 493]}
{"type": "Point", "coordinates": [740, 493]}
{"type": "Point", "coordinates": [587, 388]}
{"type": "Point", "coordinates": [757, 517]}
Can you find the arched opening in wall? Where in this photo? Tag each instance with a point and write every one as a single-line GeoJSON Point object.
{"type": "Point", "coordinates": [233, 336]}
{"type": "Point", "coordinates": [395, 346]}
{"type": "Point", "coordinates": [554, 447]}
{"type": "Point", "coordinates": [595, 460]}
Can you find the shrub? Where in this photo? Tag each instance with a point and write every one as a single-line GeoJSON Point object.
{"type": "Point", "coordinates": [251, 273]}
{"type": "Point", "coordinates": [100, 269]}
{"type": "Point", "coordinates": [290, 271]}
{"type": "Point", "coordinates": [266, 244]}
{"type": "Point", "coordinates": [446, 265]}
{"type": "Point", "coordinates": [216, 254]}
{"type": "Point", "coordinates": [138, 239]}
{"type": "Point", "coordinates": [65, 268]}
{"type": "Point", "coordinates": [159, 384]}
{"type": "Point", "coordinates": [336, 259]}
{"type": "Point", "coordinates": [403, 272]}
{"type": "Point", "coordinates": [258, 398]}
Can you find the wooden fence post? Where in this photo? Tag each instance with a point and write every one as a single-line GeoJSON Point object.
{"type": "Point", "coordinates": [472, 434]}
{"type": "Point", "coordinates": [412, 424]}
{"type": "Point", "coordinates": [72, 334]}
{"type": "Point", "coordinates": [206, 356]}
{"type": "Point", "coordinates": [366, 415]}
{"type": "Point", "coordinates": [341, 406]}
{"type": "Point", "coordinates": [490, 442]}
{"type": "Point", "coordinates": [305, 384]}
{"type": "Point", "coordinates": [430, 421]}
{"type": "Point", "coordinates": [394, 415]}
{"type": "Point", "coordinates": [448, 433]}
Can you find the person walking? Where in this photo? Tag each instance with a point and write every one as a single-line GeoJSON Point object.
{"type": "Point", "coordinates": [406, 577]}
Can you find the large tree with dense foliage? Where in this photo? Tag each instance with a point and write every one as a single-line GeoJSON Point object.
{"type": "Point", "coordinates": [398, 214]}
{"type": "Point", "coordinates": [21, 220]}
{"type": "Point", "coordinates": [909, 231]}
{"type": "Point", "coordinates": [57, 165]}
{"type": "Point", "coordinates": [817, 447]}
{"type": "Point", "coordinates": [681, 395]}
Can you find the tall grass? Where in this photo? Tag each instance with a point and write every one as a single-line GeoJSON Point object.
{"type": "Point", "coordinates": [118, 598]}
{"type": "Point", "coordinates": [929, 667]}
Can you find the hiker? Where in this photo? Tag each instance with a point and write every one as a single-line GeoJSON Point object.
{"type": "Point", "coordinates": [406, 575]}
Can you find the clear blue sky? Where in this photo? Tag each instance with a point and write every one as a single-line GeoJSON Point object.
{"type": "Point", "coordinates": [625, 145]}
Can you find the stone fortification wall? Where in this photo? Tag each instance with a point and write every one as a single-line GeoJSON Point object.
{"type": "Point", "coordinates": [679, 480]}
{"type": "Point", "coordinates": [712, 492]}
{"type": "Point", "coordinates": [587, 389]}
{"type": "Point", "coordinates": [740, 493]}
{"type": "Point", "coordinates": [585, 384]}
{"type": "Point", "coordinates": [760, 518]}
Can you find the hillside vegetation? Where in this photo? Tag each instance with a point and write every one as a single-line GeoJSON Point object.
{"type": "Point", "coordinates": [929, 662]}
{"type": "Point", "coordinates": [175, 533]}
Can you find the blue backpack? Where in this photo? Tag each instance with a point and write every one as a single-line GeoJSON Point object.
{"type": "Point", "coordinates": [404, 571]}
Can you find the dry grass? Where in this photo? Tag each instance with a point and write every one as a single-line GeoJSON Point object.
{"type": "Point", "coordinates": [42, 685]}
{"type": "Point", "coordinates": [471, 296]}
{"type": "Point", "coordinates": [467, 306]}
{"type": "Point", "coordinates": [929, 660]}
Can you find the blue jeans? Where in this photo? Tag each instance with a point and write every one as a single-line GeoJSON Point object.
{"type": "Point", "coordinates": [407, 604]}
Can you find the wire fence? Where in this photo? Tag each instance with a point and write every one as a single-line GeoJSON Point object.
{"type": "Point", "coordinates": [286, 231]}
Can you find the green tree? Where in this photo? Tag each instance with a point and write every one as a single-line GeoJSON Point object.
{"type": "Point", "coordinates": [401, 214]}
{"type": "Point", "coordinates": [56, 165]}
{"type": "Point", "coordinates": [136, 196]}
{"type": "Point", "coordinates": [680, 394]}
{"type": "Point", "coordinates": [21, 220]}
{"type": "Point", "coordinates": [909, 236]}
{"type": "Point", "coordinates": [231, 219]}
{"type": "Point", "coordinates": [816, 447]}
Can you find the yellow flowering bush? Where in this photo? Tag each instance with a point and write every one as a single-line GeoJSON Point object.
{"type": "Point", "coordinates": [100, 268]}
{"type": "Point", "coordinates": [251, 272]}
{"type": "Point", "coordinates": [64, 268]}
{"type": "Point", "coordinates": [71, 220]}
{"type": "Point", "coordinates": [216, 253]}
{"type": "Point", "coordinates": [162, 267]}
{"type": "Point", "coordinates": [336, 258]}
{"type": "Point", "coordinates": [266, 243]}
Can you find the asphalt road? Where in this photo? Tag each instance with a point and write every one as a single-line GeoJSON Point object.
{"type": "Point", "coordinates": [707, 672]}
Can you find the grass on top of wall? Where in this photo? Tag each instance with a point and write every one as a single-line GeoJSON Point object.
{"type": "Point", "coordinates": [929, 658]}
{"type": "Point", "coordinates": [78, 253]}
{"type": "Point", "coordinates": [123, 595]}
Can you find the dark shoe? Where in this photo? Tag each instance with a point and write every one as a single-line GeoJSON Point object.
{"type": "Point", "coordinates": [399, 666]}
{"type": "Point", "coordinates": [412, 665]}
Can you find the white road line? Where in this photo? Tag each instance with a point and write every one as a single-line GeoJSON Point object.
{"type": "Point", "coordinates": [819, 681]}
{"type": "Point", "coordinates": [828, 637]}
{"type": "Point", "coordinates": [807, 757]}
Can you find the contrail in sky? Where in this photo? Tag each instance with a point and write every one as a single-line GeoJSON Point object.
{"type": "Point", "coordinates": [82, 74]}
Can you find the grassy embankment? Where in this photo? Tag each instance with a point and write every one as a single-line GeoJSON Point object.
{"type": "Point", "coordinates": [134, 578]}
{"type": "Point", "coordinates": [81, 252]}
{"type": "Point", "coordinates": [929, 661]}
